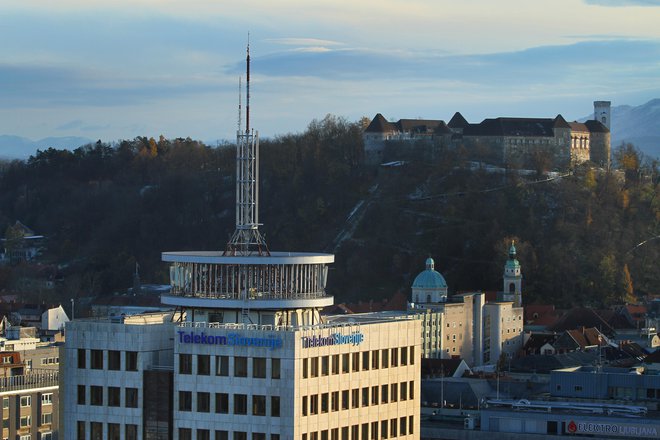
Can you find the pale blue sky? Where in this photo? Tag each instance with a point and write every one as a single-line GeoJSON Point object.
{"type": "Point", "coordinates": [123, 68]}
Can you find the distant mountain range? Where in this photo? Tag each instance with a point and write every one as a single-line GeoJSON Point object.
{"type": "Point", "coordinates": [638, 125]}
{"type": "Point", "coordinates": [16, 147]}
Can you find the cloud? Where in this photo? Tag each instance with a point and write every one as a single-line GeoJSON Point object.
{"type": "Point", "coordinates": [303, 42]}
{"type": "Point", "coordinates": [623, 3]}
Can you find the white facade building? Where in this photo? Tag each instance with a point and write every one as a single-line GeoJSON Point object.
{"type": "Point", "coordinates": [247, 354]}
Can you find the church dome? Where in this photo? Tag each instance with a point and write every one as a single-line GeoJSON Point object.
{"type": "Point", "coordinates": [429, 278]}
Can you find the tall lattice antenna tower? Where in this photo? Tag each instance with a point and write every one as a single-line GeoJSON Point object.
{"type": "Point", "coordinates": [246, 239]}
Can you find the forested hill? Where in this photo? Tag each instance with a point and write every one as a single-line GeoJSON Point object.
{"type": "Point", "coordinates": [104, 208]}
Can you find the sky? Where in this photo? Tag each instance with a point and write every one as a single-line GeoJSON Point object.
{"type": "Point", "coordinates": [117, 69]}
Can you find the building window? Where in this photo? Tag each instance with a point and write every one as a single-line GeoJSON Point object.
{"type": "Point", "coordinates": [365, 360]}
{"type": "Point", "coordinates": [258, 405]}
{"type": "Point", "coordinates": [404, 355]}
{"type": "Point", "coordinates": [80, 430]}
{"type": "Point", "coordinates": [26, 401]}
{"type": "Point", "coordinates": [113, 431]}
{"type": "Point", "coordinates": [314, 367]}
{"type": "Point", "coordinates": [240, 403]}
{"type": "Point", "coordinates": [25, 421]}
{"type": "Point", "coordinates": [203, 364]}
{"type": "Point", "coordinates": [383, 429]}
{"type": "Point", "coordinates": [385, 359]}
{"type": "Point", "coordinates": [131, 395]}
{"type": "Point", "coordinates": [275, 406]}
{"type": "Point", "coordinates": [131, 432]}
{"type": "Point", "coordinates": [274, 437]}
{"type": "Point", "coordinates": [325, 366]}
{"type": "Point", "coordinates": [185, 434]}
{"type": "Point", "coordinates": [411, 389]}
{"type": "Point", "coordinates": [345, 361]}
{"type": "Point", "coordinates": [259, 367]}
{"type": "Point", "coordinates": [324, 403]}
{"type": "Point", "coordinates": [5, 402]}
{"type": "Point", "coordinates": [203, 402]}
{"type": "Point", "coordinates": [335, 364]}
{"type": "Point", "coordinates": [96, 359]}
{"type": "Point", "coordinates": [185, 363]}
{"type": "Point", "coordinates": [275, 368]}
{"type": "Point", "coordinates": [395, 357]}
{"type": "Point", "coordinates": [47, 399]}
{"type": "Point", "coordinates": [81, 394]}
{"type": "Point", "coordinates": [131, 361]}
{"type": "Point", "coordinates": [384, 395]}
{"type": "Point", "coordinates": [578, 388]}
{"type": "Point", "coordinates": [203, 434]}
{"type": "Point", "coordinates": [185, 400]}
{"type": "Point", "coordinates": [394, 394]}
{"type": "Point", "coordinates": [222, 403]}
{"type": "Point", "coordinates": [374, 395]}
{"type": "Point", "coordinates": [114, 396]}
{"type": "Point", "coordinates": [375, 359]}
{"type": "Point", "coordinates": [46, 436]}
{"type": "Point", "coordinates": [46, 418]}
{"type": "Point", "coordinates": [240, 435]}
{"type": "Point", "coordinates": [403, 392]}
{"type": "Point", "coordinates": [365, 396]}
{"type": "Point", "coordinates": [345, 404]}
{"type": "Point", "coordinates": [222, 365]}
{"type": "Point", "coordinates": [412, 353]}
{"type": "Point", "coordinates": [393, 428]}
{"type": "Point", "coordinates": [334, 401]}
{"type": "Point", "coordinates": [304, 405]}
{"type": "Point", "coordinates": [355, 398]}
{"type": "Point", "coordinates": [305, 363]}
{"type": "Point", "coordinates": [114, 360]}
{"type": "Point", "coordinates": [240, 366]}
{"type": "Point", "coordinates": [81, 358]}
{"type": "Point", "coordinates": [355, 362]}
{"type": "Point", "coordinates": [403, 426]}
{"type": "Point", "coordinates": [96, 395]}
{"type": "Point", "coordinates": [314, 404]}
{"type": "Point", "coordinates": [96, 430]}
{"type": "Point", "coordinates": [221, 435]}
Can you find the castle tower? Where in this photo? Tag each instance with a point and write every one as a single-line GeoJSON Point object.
{"type": "Point", "coordinates": [602, 112]}
{"type": "Point", "coordinates": [429, 286]}
{"type": "Point", "coordinates": [513, 277]}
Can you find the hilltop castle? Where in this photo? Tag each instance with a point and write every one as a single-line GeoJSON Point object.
{"type": "Point", "coordinates": [508, 141]}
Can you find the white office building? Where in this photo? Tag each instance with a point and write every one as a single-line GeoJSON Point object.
{"type": "Point", "coordinates": [246, 354]}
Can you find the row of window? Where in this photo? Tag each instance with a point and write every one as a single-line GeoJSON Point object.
{"type": "Point", "coordinates": [239, 405]}
{"type": "Point", "coordinates": [221, 365]}
{"type": "Point", "coordinates": [113, 431]}
{"type": "Point", "coordinates": [42, 436]}
{"type": "Point", "coordinates": [26, 421]}
{"type": "Point", "coordinates": [367, 431]}
{"type": "Point", "coordinates": [205, 434]}
{"type": "Point", "coordinates": [356, 398]}
{"type": "Point", "coordinates": [114, 359]}
{"type": "Point", "coordinates": [26, 401]}
{"type": "Point", "coordinates": [362, 361]}
{"type": "Point", "coordinates": [96, 394]}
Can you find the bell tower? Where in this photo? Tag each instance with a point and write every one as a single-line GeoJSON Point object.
{"type": "Point", "coordinates": [512, 279]}
{"type": "Point", "coordinates": [602, 113]}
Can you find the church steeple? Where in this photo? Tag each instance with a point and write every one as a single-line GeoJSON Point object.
{"type": "Point", "coordinates": [512, 278]}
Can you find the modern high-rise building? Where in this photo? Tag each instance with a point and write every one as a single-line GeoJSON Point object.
{"type": "Point", "coordinates": [246, 354]}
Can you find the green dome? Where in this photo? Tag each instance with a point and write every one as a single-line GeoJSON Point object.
{"type": "Point", "coordinates": [430, 278]}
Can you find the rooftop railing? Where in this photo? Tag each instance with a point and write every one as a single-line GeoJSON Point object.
{"type": "Point", "coordinates": [33, 379]}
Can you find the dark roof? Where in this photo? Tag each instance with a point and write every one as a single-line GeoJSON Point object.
{"type": "Point", "coordinates": [560, 122]}
{"type": "Point", "coordinates": [439, 367]}
{"type": "Point", "coordinates": [543, 364]}
{"type": "Point", "coordinates": [458, 121]}
{"type": "Point", "coordinates": [582, 317]}
{"type": "Point", "coordinates": [596, 126]}
{"type": "Point", "coordinates": [538, 127]}
{"type": "Point", "coordinates": [379, 125]}
{"type": "Point", "coordinates": [578, 126]}
{"type": "Point", "coordinates": [538, 340]}
{"type": "Point", "coordinates": [422, 125]}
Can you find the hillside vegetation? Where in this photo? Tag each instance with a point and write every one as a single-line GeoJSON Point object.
{"type": "Point", "coordinates": [105, 207]}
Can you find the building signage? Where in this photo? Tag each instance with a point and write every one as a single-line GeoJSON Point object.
{"type": "Point", "coordinates": [355, 338]}
{"type": "Point", "coordinates": [615, 429]}
{"type": "Point", "coordinates": [232, 339]}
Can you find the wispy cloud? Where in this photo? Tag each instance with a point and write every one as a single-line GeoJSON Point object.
{"type": "Point", "coordinates": [303, 42]}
